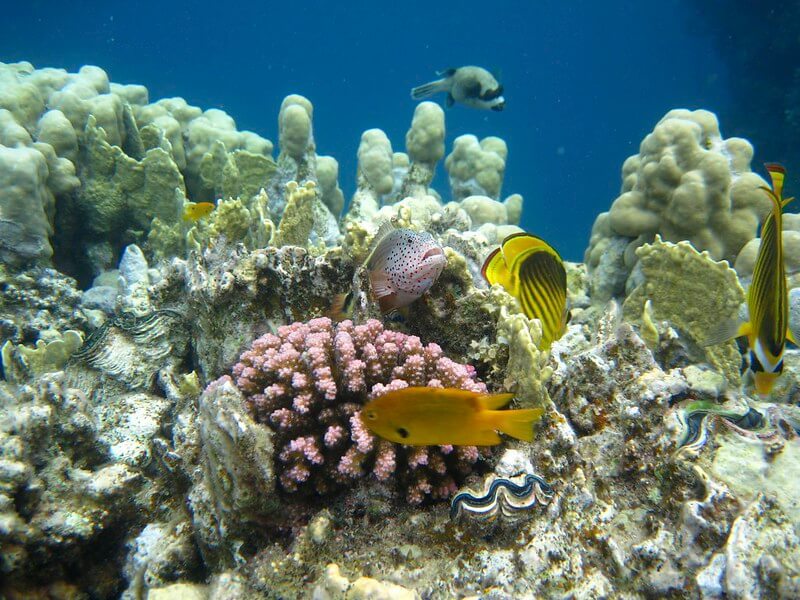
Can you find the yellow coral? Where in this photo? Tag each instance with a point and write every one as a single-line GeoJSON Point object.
{"type": "Point", "coordinates": [298, 216]}
{"type": "Point", "coordinates": [21, 361]}
{"type": "Point", "coordinates": [691, 291]}
{"type": "Point", "coordinates": [527, 370]}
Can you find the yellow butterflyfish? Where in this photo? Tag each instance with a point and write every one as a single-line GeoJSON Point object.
{"type": "Point", "coordinates": [428, 416]}
{"type": "Point", "coordinates": [533, 272]}
{"type": "Point", "coordinates": [767, 298]}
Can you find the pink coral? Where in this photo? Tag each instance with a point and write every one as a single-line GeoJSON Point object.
{"type": "Point", "coordinates": [308, 382]}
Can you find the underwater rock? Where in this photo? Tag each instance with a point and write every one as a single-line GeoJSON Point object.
{"type": "Point", "coordinates": [229, 459]}
{"type": "Point", "coordinates": [36, 303]}
{"type": "Point", "coordinates": [65, 501]}
{"type": "Point", "coordinates": [160, 554]}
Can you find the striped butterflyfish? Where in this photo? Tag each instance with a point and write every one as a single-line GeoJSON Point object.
{"type": "Point", "coordinates": [767, 299]}
{"type": "Point", "coordinates": [533, 272]}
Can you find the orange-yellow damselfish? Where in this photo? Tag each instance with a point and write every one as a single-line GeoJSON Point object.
{"type": "Point", "coordinates": [427, 416]}
{"type": "Point", "coordinates": [197, 210]}
{"type": "Point", "coordinates": [533, 272]}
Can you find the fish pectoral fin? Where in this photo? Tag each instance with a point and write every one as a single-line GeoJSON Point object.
{"type": "Point", "coordinates": [790, 337]}
{"type": "Point", "coordinates": [494, 401]}
{"type": "Point", "coordinates": [724, 331]}
{"type": "Point", "coordinates": [381, 286]}
{"type": "Point", "coordinates": [450, 100]}
{"type": "Point", "coordinates": [519, 423]}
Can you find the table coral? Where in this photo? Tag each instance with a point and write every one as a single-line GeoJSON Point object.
{"type": "Point", "coordinates": [308, 383]}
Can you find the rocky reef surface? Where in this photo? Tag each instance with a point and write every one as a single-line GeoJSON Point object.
{"type": "Point", "coordinates": [178, 416]}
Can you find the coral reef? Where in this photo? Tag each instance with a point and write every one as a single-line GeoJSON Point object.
{"type": "Point", "coordinates": [308, 381]}
{"type": "Point", "coordinates": [150, 448]}
{"type": "Point", "coordinates": [686, 183]}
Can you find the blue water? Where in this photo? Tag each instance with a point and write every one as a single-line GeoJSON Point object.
{"type": "Point", "coordinates": [584, 81]}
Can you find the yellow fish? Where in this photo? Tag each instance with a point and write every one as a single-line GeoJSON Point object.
{"type": "Point", "coordinates": [767, 299]}
{"type": "Point", "coordinates": [533, 272]}
{"type": "Point", "coordinates": [427, 416]}
{"type": "Point", "coordinates": [198, 210]}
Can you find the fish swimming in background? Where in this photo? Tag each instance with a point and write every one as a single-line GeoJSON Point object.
{"type": "Point", "coordinates": [533, 272]}
{"type": "Point", "coordinates": [472, 86]}
{"type": "Point", "coordinates": [428, 416]}
{"type": "Point", "coordinates": [401, 264]}
{"type": "Point", "coordinates": [767, 299]}
{"type": "Point", "coordinates": [197, 210]}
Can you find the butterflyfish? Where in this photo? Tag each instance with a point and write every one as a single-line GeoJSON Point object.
{"type": "Point", "coordinates": [471, 86]}
{"type": "Point", "coordinates": [401, 264]}
{"type": "Point", "coordinates": [533, 272]}
{"type": "Point", "coordinates": [767, 299]}
{"type": "Point", "coordinates": [197, 210]}
{"type": "Point", "coordinates": [428, 416]}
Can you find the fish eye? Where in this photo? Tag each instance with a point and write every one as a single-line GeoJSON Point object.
{"type": "Point", "coordinates": [402, 432]}
{"type": "Point", "coordinates": [371, 415]}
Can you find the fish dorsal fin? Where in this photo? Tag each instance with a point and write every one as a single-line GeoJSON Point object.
{"type": "Point", "coordinates": [777, 173]}
{"type": "Point", "coordinates": [518, 246]}
{"type": "Point", "coordinates": [726, 330]}
{"type": "Point", "coordinates": [378, 249]}
{"type": "Point", "coordinates": [494, 401]}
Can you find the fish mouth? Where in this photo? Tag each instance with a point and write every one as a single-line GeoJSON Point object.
{"type": "Point", "coordinates": [499, 106]}
{"type": "Point", "coordinates": [433, 252]}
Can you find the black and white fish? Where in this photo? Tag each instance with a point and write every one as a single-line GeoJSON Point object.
{"type": "Point", "coordinates": [472, 86]}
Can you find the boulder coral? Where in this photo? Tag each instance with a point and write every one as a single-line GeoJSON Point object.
{"type": "Point", "coordinates": [686, 183]}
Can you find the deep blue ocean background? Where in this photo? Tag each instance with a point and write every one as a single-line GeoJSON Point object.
{"type": "Point", "coordinates": [584, 81]}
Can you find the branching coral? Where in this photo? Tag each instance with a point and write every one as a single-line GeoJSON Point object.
{"type": "Point", "coordinates": [308, 383]}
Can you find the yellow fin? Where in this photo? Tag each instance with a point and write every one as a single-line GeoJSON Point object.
{"type": "Point", "coordinates": [727, 330]}
{"type": "Point", "coordinates": [495, 270]}
{"type": "Point", "coordinates": [494, 401]}
{"type": "Point", "coordinates": [519, 423]}
{"type": "Point", "coordinates": [519, 244]}
{"type": "Point", "coordinates": [790, 336]}
{"type": "Point", "coordinates": [777, 173]}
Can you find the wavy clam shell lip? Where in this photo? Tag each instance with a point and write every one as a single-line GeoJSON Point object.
{"type": "Point", "coordinates": [502, 497]}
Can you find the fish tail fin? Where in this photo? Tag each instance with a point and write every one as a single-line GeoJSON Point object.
{"type": "Point", "coordinates": [427, 90]}
{"type": "Point", "coordinates": [726, 330]}
{"type": "Point", "coordinates": [777, 175]}
{"type": "Point", "coordinates": [518, 423]}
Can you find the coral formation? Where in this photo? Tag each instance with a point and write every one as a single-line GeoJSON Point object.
{"type": "Point", "coordinates": [308, 382]}
{"type": "Point", "coordinates": [671, 273]}
{"type": "Point", "coordinates": [686, 183]}
{"type": "Point", "coordinates": [134, 465]}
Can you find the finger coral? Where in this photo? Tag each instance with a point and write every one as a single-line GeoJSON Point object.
{"type": "Point", "coordinates": [308, 383]}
